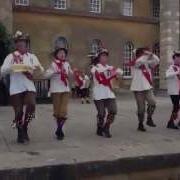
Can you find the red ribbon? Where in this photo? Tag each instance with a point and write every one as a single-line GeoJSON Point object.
{"type": "Point", "coordinates": [62, 71]}
{"type": "Point", "coordinates": [146, 74]}
{"type": "Point", "coordinates": [102, 79]}
{"type": "Point", "coordinates": [78, 78]}
{"type": "Point", "coordinates": [143, 68]}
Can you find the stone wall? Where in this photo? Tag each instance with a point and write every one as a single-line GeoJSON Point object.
{"type": "Point", "coordinates": [109, 7]}
{"type": "Point", "coordinates": [6, 14]}
{"type": "Point", "coordinates": [80, 31]}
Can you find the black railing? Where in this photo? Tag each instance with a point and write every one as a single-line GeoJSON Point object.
{"type": "Point", "coordinates": [42, 87]}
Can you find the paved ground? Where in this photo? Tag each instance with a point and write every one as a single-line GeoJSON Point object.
{"type": "Point", "coordinates": [81, 144]}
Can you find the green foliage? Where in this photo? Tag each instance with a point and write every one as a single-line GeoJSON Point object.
{"type": "Point", "coordinates": [5, 43]}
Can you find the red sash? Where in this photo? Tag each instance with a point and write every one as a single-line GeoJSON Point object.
{"type": "Point", "coordinates": [146, 74]}
{"type": "Point", "coordinates": [102, 79]}
{"type": "Point", "coordinates": [19, 60]}
{"type": "Point", "coordinates": [62, 71]}
{"type": "Point", "coordinates": [144, 70]}
{"type": "Point", "coordinates": [78, 79]}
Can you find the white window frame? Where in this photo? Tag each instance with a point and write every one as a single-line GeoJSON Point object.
{"type": "Point", "coordinates": [96, 6]}
{"type": "Point", "coordinates": [156, 50]}
{"type": "Point", "coordinates": [96, 45]}
{"type": "Point", "coordinates": [60, 4]}
{"type": "Point", "coordinates": [22, 2]}
{"type": "Point", "coordinates": [94, 48]}
{"type": "Point", "coordinates": [127, 7]}
{"type": "Point", "coordinates": [127, 56]}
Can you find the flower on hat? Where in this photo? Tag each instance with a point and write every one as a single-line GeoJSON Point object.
{"type": "Point", "coordinates": [18, 33]}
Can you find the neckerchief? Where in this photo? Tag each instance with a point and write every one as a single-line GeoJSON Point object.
{"type": "Point", "coordinates": [103, 79]}
{"type": "Point", "coordinates": [63, 75]}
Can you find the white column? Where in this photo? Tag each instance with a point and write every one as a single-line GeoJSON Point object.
{"type": "Point", "coordinates": [169, 35]}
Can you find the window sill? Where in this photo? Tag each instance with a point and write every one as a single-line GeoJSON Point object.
{"type": "Point", "coordinates": [50, 10]}
{"type": "Point", "coordinates": [24, 5]}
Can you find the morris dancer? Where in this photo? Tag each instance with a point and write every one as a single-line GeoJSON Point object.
{"type": "Point", "coordinates": [173, 86]}
{"type": "Point", "coordinates": [59, 72]}
{"type": "Point", "coordinates": [82, 83]}
{"type": "Point", "coordinates": [142, 85]}
{"type": "Point", "coordinates": [22, 89]}
{"type": "Point", "coordinates": [104, 97]}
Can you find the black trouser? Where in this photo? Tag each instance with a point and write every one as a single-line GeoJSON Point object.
{"type": "Point", "coordinates": [103, 105]}
{"type": "Point", "coordinates": [84, 93]}
{"type": "Point", "coordinates": [175, 102]}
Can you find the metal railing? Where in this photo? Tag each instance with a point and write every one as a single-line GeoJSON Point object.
{"type": "Point", "coordinates": [42, 87]}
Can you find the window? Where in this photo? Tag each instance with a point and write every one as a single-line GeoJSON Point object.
{"type": "Point", "coordinates": [156, 50]}
{"type": "Point", "coordinates": [22, 2]}
{"type": "Point", "coordinates": [128, 56]}
{"type": "Point", "coordinates": [95, 45]}
{"type": "Point", "coordinates": [95, 6]}
{"type": "Point", "coordinates": [60, 4]}
{"type": "Point", "coordinates": [127, 8]}
{"type": "Point", "coordinates": [61, 42]}
{"type": "Point", "coordinates": [156, 8]}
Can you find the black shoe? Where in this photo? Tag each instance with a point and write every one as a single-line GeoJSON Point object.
{"type": "Point", "coordinates": [171, 125]}
{"type": "Point", "coordinates": [99, 131]}
{"type": "Point", "coordinates": [20, 137]}
{"type": "Point", "coordinates": [59, 134]}
{"type": "Point", "coordinates": [106, 132]}
{"type": "Point", "coordinates": [88, 102]}
{"type": "Point", "coordinates": [25, 134]}
{"type": "Point", "coordinates": [150, 123]}
{"type": "Point", "coordinates": [141, 127]}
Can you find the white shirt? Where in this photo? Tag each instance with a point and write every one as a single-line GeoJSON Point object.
{"type": "Point", "coordinates": [18, 81]}
{"type": "Point", "coordinates": [56, 84]}
{"type": "Point", "coordinates": [85, 82]}
{"type": "Point", "coordinates": [139, 81]}
{"type": "Point", "coordinates": [101, 91]}
{"type": "Point", "coordinates": [173, 83]}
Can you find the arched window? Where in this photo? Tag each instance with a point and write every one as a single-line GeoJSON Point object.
{"type": "Point", "coordinates": [22, 2]}
{"type": "Point", "coordinates": [61, 42]}
{"type": "Point", "coordinates": [95, 6]}
{"type": "Point", "coordinates": [156, 50]}
{"type": "Point", "coordinates": [95, 45]}
{"type": "Point", "coordinates": [127, 56]}
{"type": "Point", "coordinates": [156, 8]}
{"type": "Point", "coordinates": [60, 4]}
{"type": "Point", "coordinates": [127, 7]}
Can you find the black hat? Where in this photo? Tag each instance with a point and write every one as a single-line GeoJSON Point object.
{"type": "Point", "coordinates": [20, 36]}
